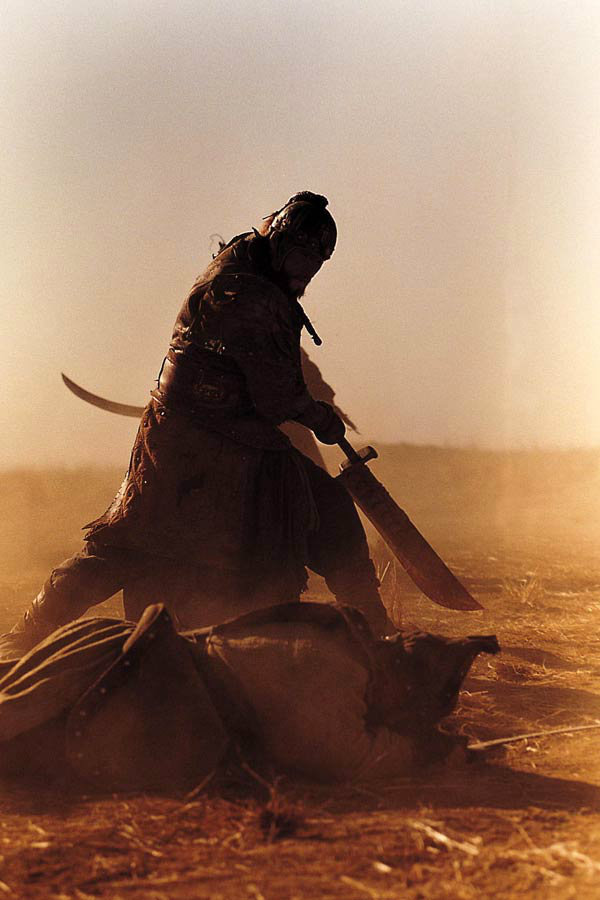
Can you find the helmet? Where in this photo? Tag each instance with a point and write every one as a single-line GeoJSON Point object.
{"type": "Point", "coordinates": [305, 223]}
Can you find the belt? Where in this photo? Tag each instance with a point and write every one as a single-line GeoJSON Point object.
{"type": "Point", "coordinates": [196, 389]}
{"type": "Point", "coordinates": [215, 401]}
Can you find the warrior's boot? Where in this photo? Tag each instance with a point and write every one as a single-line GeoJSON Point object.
{"type": "Point", "coordinates": [49, 610]}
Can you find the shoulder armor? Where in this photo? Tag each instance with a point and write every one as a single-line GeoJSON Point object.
{"type": "Point", "coordinates": [240, 287]}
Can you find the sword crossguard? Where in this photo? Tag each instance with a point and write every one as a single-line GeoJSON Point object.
{"type": "Point", "coordinates": [353, 456]}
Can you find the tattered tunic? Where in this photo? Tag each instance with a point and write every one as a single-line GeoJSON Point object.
{"type": "Point", "coordinates": [212, 480]}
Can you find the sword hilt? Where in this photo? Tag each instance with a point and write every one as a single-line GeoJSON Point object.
{"type": "Point", "coordinates": [353, 456]}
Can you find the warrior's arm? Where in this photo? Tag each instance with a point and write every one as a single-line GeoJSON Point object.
{"type": "Point", "coordinates": [259, 335]}
{"type": "Point", "coordinates": [321, 389]}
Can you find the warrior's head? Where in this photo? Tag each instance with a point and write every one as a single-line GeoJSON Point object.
{"type": "Point", "coordinates": [301, 236]}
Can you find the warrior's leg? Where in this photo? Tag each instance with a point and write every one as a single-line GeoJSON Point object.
{"type": "Point", "coordinates": [197, 596]}
{"type": "Point", "coordinates": [339, 550]}
{"type": "Point", "coordinates": [188, 592]}
{"type": "Point", "coordinates": [90, 577]}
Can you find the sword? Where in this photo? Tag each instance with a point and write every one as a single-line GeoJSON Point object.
{"type": "Point", "coordinates": [121, 409]}
{"type": "Point", "coordinates": [430, 574]}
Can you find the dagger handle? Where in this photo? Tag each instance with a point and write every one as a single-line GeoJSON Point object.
{"type": "Point", "coordinates": [349, 450]}
{"type": "Point", "coordinates": [353, 457]}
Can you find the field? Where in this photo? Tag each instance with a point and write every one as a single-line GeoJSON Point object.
{"type": "Point", "coordinates": [522, 531]}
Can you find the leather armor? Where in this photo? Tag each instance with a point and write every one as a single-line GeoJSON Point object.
{"type": "Point", "coordinates": [234, 361]}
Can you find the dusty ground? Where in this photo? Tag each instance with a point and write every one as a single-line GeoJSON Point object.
{"type": "Point", "coordinates": [525, 823]}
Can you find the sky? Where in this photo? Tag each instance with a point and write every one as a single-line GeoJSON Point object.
{"type": "Point", "coordinates": [457, 141]}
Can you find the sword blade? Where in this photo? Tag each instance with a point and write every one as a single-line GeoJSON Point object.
{"type": "Point", "coordinates": [121, 409]}
{"type": "Point", "coordinates": [430, 573]}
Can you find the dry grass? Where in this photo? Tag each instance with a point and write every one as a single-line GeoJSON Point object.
{"type": "Point", "coordinates": [524, 824]}
{"type": "Point", "coordinates": [528, 591]}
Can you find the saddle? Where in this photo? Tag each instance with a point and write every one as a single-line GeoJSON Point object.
{"type": "Point", "coordinates": [148, 721]}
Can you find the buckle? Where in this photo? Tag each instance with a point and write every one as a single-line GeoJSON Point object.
{"type": "Point", "coordinates": [214, 345]}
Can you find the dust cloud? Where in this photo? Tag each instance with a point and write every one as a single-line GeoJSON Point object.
{"type": "Point", "coordinates": [461, 499]}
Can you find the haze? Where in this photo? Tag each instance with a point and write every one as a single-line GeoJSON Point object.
{"type": "Point", "coordinates": [458, 143]}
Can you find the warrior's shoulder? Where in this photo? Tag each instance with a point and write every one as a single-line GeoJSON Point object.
{"type": "Point", "coordinates": [244, 289]}
{"type": "Point", "coordinates": [245, 286]}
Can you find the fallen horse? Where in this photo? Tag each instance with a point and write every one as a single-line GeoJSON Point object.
{"type": "Point", "coordinates": [304, 688]}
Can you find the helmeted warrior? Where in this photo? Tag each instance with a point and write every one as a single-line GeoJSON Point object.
{"type": "Point", "coordinates": [218, 513]}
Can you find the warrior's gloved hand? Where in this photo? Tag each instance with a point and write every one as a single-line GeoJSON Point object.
{"type": "Point", "coordinates": [324, 421]}
{"type": "Point", "coordinates": [333, 431]}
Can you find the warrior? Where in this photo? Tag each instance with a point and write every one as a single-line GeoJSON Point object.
{"type": "Point", "coordinates": [219, 513]}
{"type": "Point", "coordinates": [301, 688]}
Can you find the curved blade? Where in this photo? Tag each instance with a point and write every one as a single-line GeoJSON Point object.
{"type": "Point", "coordinates": [420, 561]}
{"type": "Point", "coordinates": [121, 409]}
